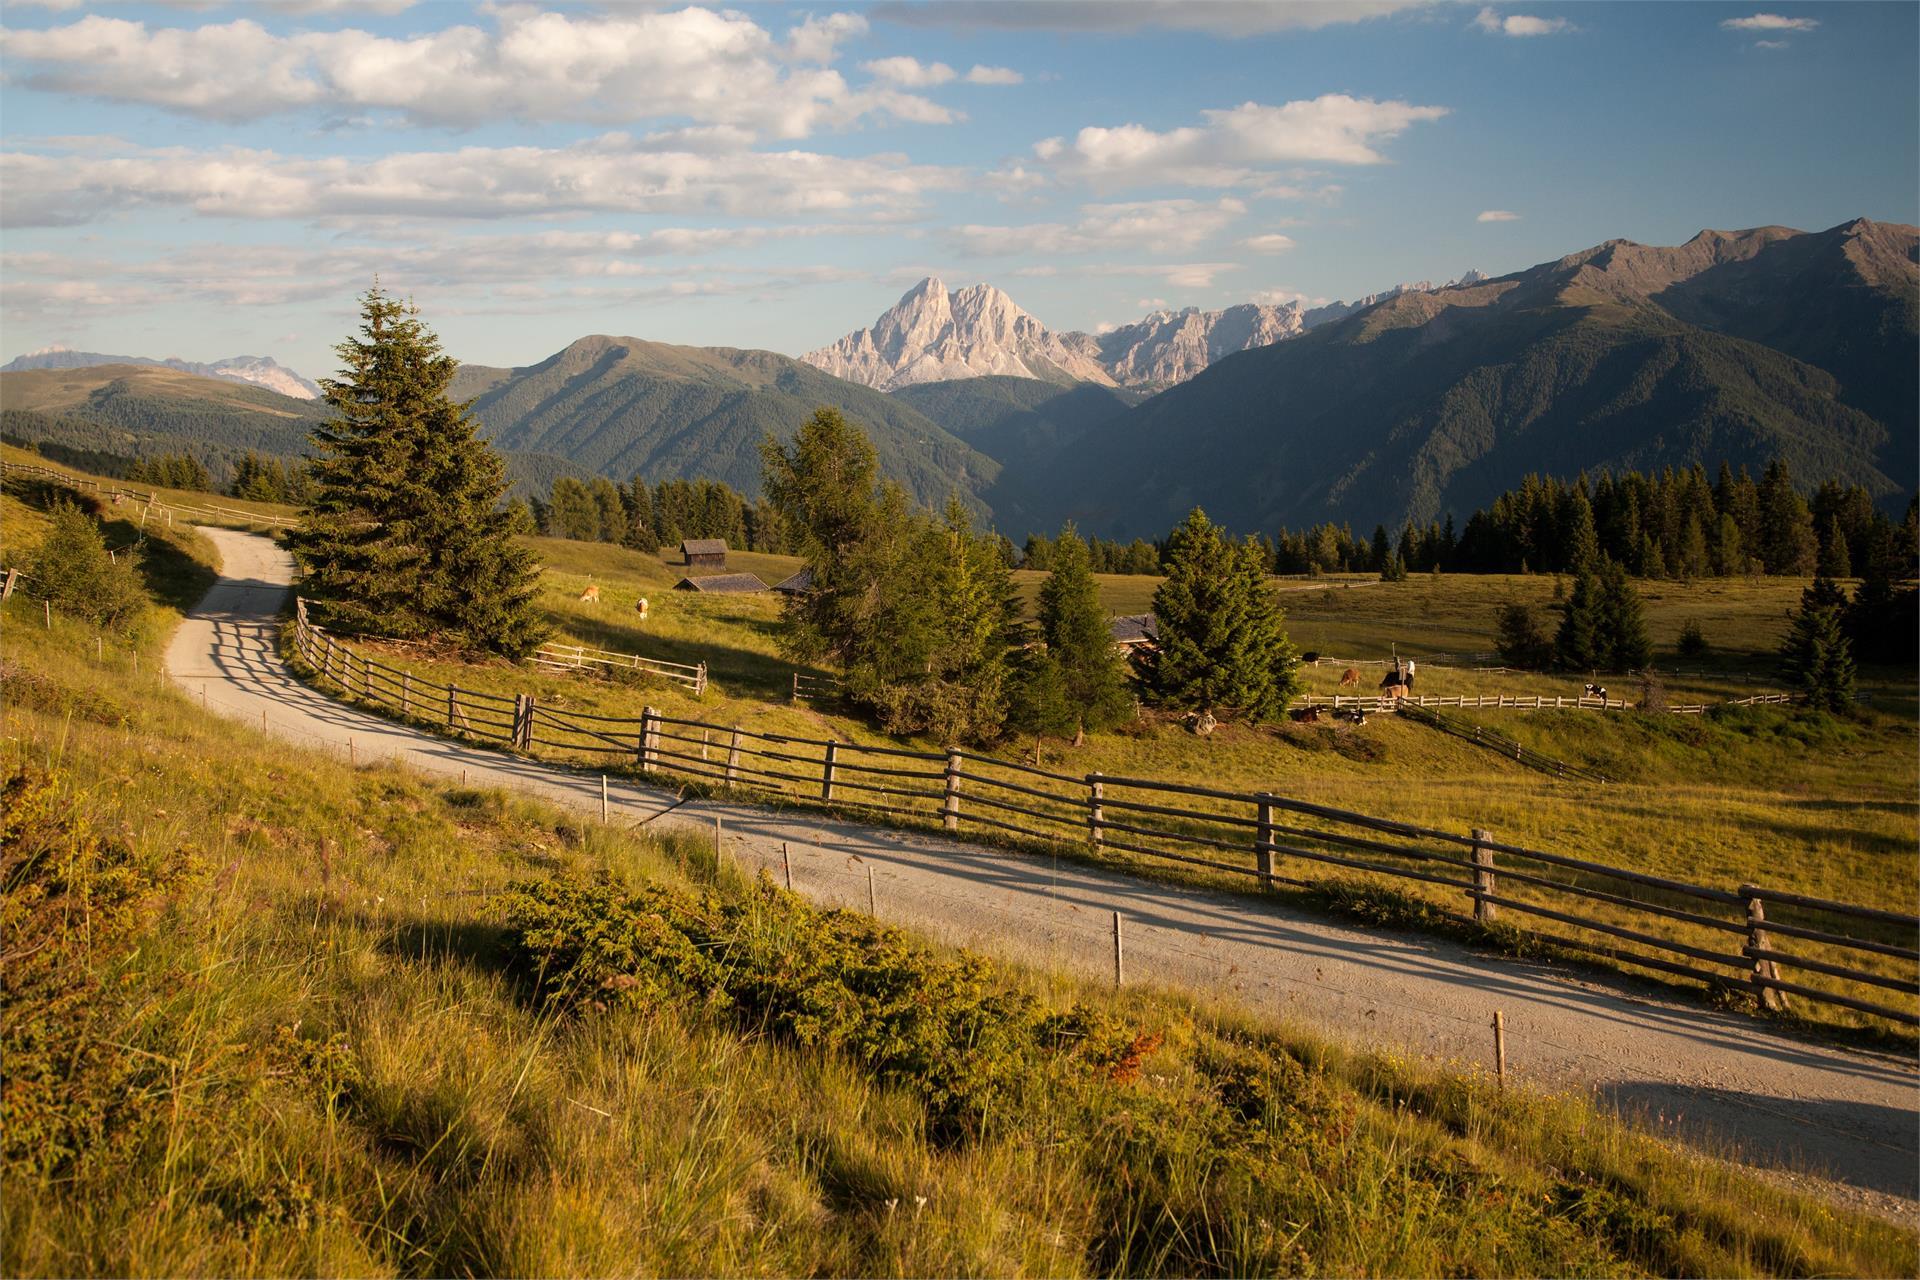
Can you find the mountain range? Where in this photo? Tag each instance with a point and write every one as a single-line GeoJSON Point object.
{"type": "Point", "coordinates": [934, 334]}
{"type": "Point", "coordinates": [261, 371]}
{"type": "Point", "coordinates": [1406, 405]}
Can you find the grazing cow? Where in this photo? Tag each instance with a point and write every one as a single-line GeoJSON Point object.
{"type": "Point", "coordinates": [1349, 676]}
{"type": "Point", "coordinates": [640, 607]}
{"type": "Point", "coordinates": [1395, 691]}
{"type": "Point", "coordinates": [591, 595]}
{"type": "Point", "coordinates": [1357, 716]}
{"type": "Point", "coordinates": [1595, 691]}
{"type": "Point", "coordinates": [1309, 715]}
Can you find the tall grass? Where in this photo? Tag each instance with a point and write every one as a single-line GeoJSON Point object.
{"type": "Point", "coordinates": [338, 1060]}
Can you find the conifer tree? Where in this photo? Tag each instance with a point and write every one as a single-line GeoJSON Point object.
{"type": "Point", "coordinates": [1579, 645]}
{"type": "Point", "coordinates": [1623, 624]}
{"type": "Point", "coordinates": [1817, 658]}
{"type": "Point", "coordinates": [405, 534]}
{"type": "Point", "coordinates": [1076, 682]}
{"type": "Point", "coordinates": [79, 577]}
{"type": "Point", "coordinates": [1221, 644]}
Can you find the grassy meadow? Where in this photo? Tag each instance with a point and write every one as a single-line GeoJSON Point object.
{"type": "Point", "coordinates": [269, 1014]}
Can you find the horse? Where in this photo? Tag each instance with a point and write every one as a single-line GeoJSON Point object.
{"type": "Point", "coordinates": [1349, 676]}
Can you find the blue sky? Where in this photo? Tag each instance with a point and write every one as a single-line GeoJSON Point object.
{"type": "Point", "coordinates": [206, 179]}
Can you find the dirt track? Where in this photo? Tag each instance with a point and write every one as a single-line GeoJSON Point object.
{"type": "Point", "coordinates": [1718, 1079]}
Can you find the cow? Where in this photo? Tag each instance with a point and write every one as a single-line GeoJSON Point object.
{"type": "Point", "coordinates": [1309, 715]}
{"type": "Point", "coordinates": [1394, 691]}
{"type": "Point", "coordinates": [1349, 676]}
{"type": "Point", "coordinates": [640, 607]}
{"type": "Point", "coordinates": [591, 595]}
{"type": "Point", "coordinates": [1595, 691]}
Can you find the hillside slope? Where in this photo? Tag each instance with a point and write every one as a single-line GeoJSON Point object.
{"type": "Point", "coordinates": [1620, 356]}
{"type": "Point", "coordinates": [625, 406]}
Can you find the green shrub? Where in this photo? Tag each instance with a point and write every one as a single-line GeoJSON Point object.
{"type": "Point", "coordinates": [1693, 641]}
{"type": "Point", "coordinates": [73, 569]}
{"type": "Point", "coordinates": [73, 911]}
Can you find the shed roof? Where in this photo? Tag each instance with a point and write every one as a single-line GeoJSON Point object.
{"type": "Point", "coordinates": [726, 583]}
{"type": "Point", "coordinates": [1134, 628]}
{"type": "Point", "coordinates": [801, 581]}
{"type": "Point", "coordinates": [704, 547]}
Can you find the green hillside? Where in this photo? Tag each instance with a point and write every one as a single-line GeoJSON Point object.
{"type": "Point", "coordinates": [1435, 402]}
{"type": "Point", "coordinates": [623, 406]}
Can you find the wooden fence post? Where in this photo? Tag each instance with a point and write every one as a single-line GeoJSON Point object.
{"type": "Point", "coordinates": [1119, 961]}
{"type": "Point", "coordinates": [326, 664]}
{"type": "Point", "coordinates": [1483, 878]}
{"type": "Point", "coordinates": [453, 705]}
{"type": "Point", "coordinates": [796, 688]}
{"type": "Point", "coordinates": [826, 772]}
{"type": "Point", "coordinates": [1757, 945]}
{"type": "Point", "coordinates": [950, 810]}
{"type": "Point", "coordinates": [1263, 840]}
{"type": "Point", "coordinates": [700, 679]}
{"type": "Point", "coordinates": [13, 576]}
{"type": "Point", "coordinates": [1096, 807]}
{"type": "Point", "coordinates": [406, 693]}
{"type": "Point", "coordinates": [733, 756]}
{"type": "Point", "coordinates": [526, 725]}
{"type": "Point", "coordinates": [647, 744]}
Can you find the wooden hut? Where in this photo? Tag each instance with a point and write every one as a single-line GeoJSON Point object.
{"type": "Point", "coordinates": [705, 553]}
{"type": "Point", "coordinates": [734, 584]}
{"type": "Point", "coordinates": [1134, 631]}
{"type": "Point", "coordinates": [799, 584]}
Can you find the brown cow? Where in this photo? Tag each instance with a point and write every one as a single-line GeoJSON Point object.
{"type": "Point", "coordinates": [591, 595]}
{"type": "Point", "coordinates": [1349, 676]}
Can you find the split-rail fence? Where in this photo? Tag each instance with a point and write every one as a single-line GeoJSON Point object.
{"type": "Point", "coordinates": [1773, 944]}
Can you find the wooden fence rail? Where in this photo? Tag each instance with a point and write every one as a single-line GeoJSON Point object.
{"type": "Point", "coordinates": [573, 657]}
{"type": "Point", "coordinates": [149, 502]}
{"type": "Point", "coordinates": [1630, 917]}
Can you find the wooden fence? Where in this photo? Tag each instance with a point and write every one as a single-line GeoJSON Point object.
{"type": "Point", "coordinates": [1500, 743]}
{"type": "Point", "coordinates": [149, 503]}
{"type": "Point", "coordinates": [573, 657]}
{"type": "Point", "coordinates": [1722, 937]}
{"type": "Point", "coordinates": [808, 688]}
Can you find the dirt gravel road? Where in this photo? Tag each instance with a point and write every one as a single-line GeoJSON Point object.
{"type": "Point", "coordinates": [1802, 1110]}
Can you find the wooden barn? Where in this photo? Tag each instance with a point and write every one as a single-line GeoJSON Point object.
{"type": "Point", "coordinates": [1134, 631]}
{"type": "Point", "coordinates": [705, 553]}
{"type": "Point", "coordinates": [726, 584]}
{"type": "Point", "coordinates": [799, 584]}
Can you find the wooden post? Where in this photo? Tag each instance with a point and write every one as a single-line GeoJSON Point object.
{"type": "Point", "coordinates": [1263, 840]}
{"type": "Point", "coordinates": [1119, 960]}
{"type": "Point", "coordinates": [406, 693]}
{"type": "Point", "coordinates": [1757, 944]}
{"type": "Point", "coordinates": [13, 576]}
{"type": "Point", "coordinates": [733, 756]}
{"type": "Point", "coordinates": [873, 903]}
{"type": "Point", "coordinates": [706, 737]}
{"type": "Point", "coordinates": [786, 865]}
{"type": "Point", "coordinates": [603, 798]}
{"type": "Point", "coordinates": [826, 772]}
{"type": "Point", "coordinates": [366, 678]}
{"type": "Point", "coordinates": [1096, 810]}
{"type": "Point", "coordinates": [796, 688]}
{"type": "Point", "coordinates": [1500, 1047]}
{"type": "Point", "coordinates": [46, 607]}
{"type": "Point", "coordinates": [648, 744]}
{"type": "Point", "coordinates": [700, 679]}
{"type": "Point", "coordinates": [717, 846]}
{"type": "Point", "coordinates": [326, 662]}
{"type": "Point", "coordinates": [950, 810]}
{"type": "Point", "coordinates": [1483, 878]}
{"type": "Point", "coordinates": [453, 706]}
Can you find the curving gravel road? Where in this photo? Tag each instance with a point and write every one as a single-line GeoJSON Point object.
{"type": "Point", "coordinates": [1835, 1120]}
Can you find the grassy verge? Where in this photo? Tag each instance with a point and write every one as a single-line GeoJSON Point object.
{"type": "Point", "coordinates": [355, 1022]}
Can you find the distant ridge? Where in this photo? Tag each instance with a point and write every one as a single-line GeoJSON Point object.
{"type": "Point", "coordinates": [936, 335]}
{"type": "Point", "coordinates": [261, 371]}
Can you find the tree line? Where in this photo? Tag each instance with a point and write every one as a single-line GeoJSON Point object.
{"type": "Point", "coordinates": [648, 518]}
{"type": "Point", "coordinates": [1673, 524]}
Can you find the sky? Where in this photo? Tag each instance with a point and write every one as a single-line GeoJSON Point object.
{"type": "Point", "coordinates": [206, 179]}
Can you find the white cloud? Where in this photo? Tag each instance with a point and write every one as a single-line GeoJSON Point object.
{"type": "Point", "coordinates": [1235, 143]}
{"type": "Point", "coordinates": [1772, 44]}
{"type": "Point", "coordinates": [1282, 297]}
{"type": "Point", "coordinates": [610, 173]}
{"type": "Point", "coordinates": [909, 73]}
{"type": "Point", "coordinates": [1181, 275]}
{"type": "Point", "coordinates": [693, 64]}
{"type": "Point", "coordinates": [994, 75]}
{"type": "Point", "coordinates": [1770, 22]}
{"type": "Point", "coordinates": [1273, 242]}
{"type": "Point", "coordinates": [1226, 18]}
{"type": "Point", "coordinates": [1150, 304]}
{"type": "Point", "coordinates": [1519, 24]}
{"type": "Point", "coordinates": [1497, 215]}
{"type": "Point", "coordinates": [1143, 224]}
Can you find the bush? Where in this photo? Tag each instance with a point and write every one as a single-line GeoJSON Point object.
{"type": "Point", "coordinates": [73, 909]}
{"type": "Point", "coordinates": [1693, 641]}
{"type": "Point", "coordinates": [73, 569]}
{"type": "Point", "coordinates": [1520, 639]}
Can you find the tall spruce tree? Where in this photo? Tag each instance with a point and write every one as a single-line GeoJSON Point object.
{"type": "Point", "coordinates": [1076, 682]}
{"type": "Point", "coordinates": [1623, 623]}
{"type": "Point", "coordinates": [1817, 658]}
{"type": "Point", "coordinates": [405, 535]}
{"type": "Point", "coordinates": [1221, 643]}
{"type": "Point", "coordinates": [1579, 645]}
